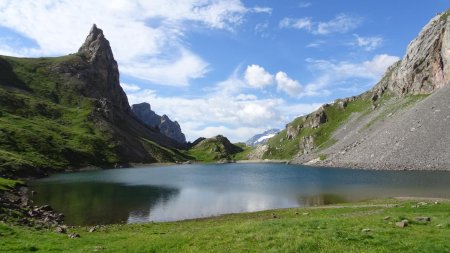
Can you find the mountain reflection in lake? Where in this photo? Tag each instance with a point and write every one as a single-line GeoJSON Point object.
{"type": "Point", "coordinates": [193, 191]}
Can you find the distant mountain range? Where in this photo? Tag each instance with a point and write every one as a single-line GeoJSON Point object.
{"type": "Point", "coordinates": [261, 138]}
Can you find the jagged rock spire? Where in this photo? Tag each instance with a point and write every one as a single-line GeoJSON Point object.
{"type": "Point", "coordinates": [96, 46]}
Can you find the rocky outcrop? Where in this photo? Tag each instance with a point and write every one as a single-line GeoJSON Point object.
{"type": "Point", "coordinates": [317, 118]}
{"type": "Point", "coordinates": [292, 131]}
{"type": "Point", "coordinates": [163, 123]}
{"type": "Point", "coordinates": [425, 67]}
{"type": "Point", "coordinates": [307, 144]}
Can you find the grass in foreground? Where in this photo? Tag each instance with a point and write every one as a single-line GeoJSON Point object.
{"type": "Point", "coordinates": [358, 227]}
{"type": "Point", "coordinates": [6, 184]}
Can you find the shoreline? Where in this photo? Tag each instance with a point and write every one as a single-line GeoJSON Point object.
{"type": "Point", "coordinates": [398, 168]}
{"type": "Point", "coordinates": [376, 225]}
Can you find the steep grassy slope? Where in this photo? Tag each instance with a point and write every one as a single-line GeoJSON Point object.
{"type": "Point", "coordinates": [287, 143]}
{"type": "Point", "coordinates": [46, 124]}
{"type": "Point", "coordinates": [43, 123]}
{"type": "Point", "coordinates": [362, 227]}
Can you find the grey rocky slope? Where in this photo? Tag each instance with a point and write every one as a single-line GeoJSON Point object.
{"type": "Point", "coordinates": [163, 123]}
{"type": "Point", "coordinates": [405, 126]}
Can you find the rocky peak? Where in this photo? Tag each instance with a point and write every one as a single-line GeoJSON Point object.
{"type": "Point", "coordinates": [425, 67]}
{"type": "Point", "coordinates": [166, 126]}
{"type": "Point", "coordinates": [96, 46]}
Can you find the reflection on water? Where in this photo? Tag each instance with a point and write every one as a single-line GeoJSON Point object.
{"type": "Point", "coordinates": [87, 203]}
{"type": "Point", "coordinates": [194, 191]}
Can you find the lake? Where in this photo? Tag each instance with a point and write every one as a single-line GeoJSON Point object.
{"type": "Point", "coordinates": [170, 193]}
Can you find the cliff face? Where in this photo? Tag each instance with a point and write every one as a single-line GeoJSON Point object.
{"type": "Point", "coordinates": [425, 67]}
{"type": "Point", "coordinates": [166, 126]}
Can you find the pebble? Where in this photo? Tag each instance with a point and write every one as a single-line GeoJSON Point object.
{"type": "Point", "coordinates": [387, 218]}
{"type": "Point", "coordinates": [365, 230]}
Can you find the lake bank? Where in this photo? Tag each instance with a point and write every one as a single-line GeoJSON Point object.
{"type": "Point", "coordinates": [358, 227]}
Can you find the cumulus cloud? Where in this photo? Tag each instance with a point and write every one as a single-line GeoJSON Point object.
{"type": "Point", "coordinates": [368, 43]}
{"type": "Point", "coordinates": [288, 85]}
{"type": "Point", "coordinates": [228, 111]}
{"type": "Point", "coordinates": [342, 23]}
{"type": "Point", "coordinates": [146, 36]}
{"type": "Point", "coordinates": [257, 77]}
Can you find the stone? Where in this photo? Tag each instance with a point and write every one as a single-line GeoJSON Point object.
{"type": "Point", "coordinates": [365, 230]}
{"type": "Point", "coordinates": [401, 224]}
{"type": "Point", "coordinates": [387, 218]}
{"type": "Point", "coordinates": [423, 219]}
{"type": "Point", "coordinates": [73, 235]}
{"type": "Point", "coordinates": [61, 229]}
{"type": "Point", "coordinates": [45, 208]}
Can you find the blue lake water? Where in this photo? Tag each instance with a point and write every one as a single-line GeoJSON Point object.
{"type": "Point", "coordinates": [169, 193]}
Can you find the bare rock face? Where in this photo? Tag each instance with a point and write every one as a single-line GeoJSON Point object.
{"type": "Point", "coordinates": [171, 129]}
{"type": "Point", "coordinates": [292, 132]}
{"type": "Point", "coordinates": [102, 74]}
{"type": "Point", "coordinates": [317, 118]}
{"type": "Point", "coordinates": [425, 67]}
{"type": "Point", "coordinates": [307, 144]}
{"type": "Point", "coordinates": [166, 126]}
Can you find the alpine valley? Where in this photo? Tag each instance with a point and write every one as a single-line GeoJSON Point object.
{"type": "Point", "coordinates": [71, 141]}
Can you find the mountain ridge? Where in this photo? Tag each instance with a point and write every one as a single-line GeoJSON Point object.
{"type": "Point", "coordinates": [68, 112]}
{"type": "Point", "coordinates": [376, 129]}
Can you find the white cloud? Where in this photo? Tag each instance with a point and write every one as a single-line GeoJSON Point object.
{"type": "Point", "coordinates": [301, 23]}
{"type": "Point", "coordinates": [288, 85]}
{"type": "Point", "coordinates": [257, 77]}
{"type": "Point", "coordinates": [223, 110]}
{"type": "Point", "coordinates": [174, 72]}
{"type": "Point", "coordinates": [304, 4]}
{"type": "Point", "coordinates": [146, 36]}
{"type": "Point", "coordinates": [332, 73]}
{"type": "Point", "coordinates": [258, 9]}
{"type": "Point", "coordinates": [130, 87]}
{"type": "Point", "coordinates": [368, 43]}
{"type": "Point", "coordinates": [316, 44]}
{"type": "Point", "coordinates": [342, 23]}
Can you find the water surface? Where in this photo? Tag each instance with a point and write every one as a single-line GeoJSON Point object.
{"type": "Point", "coordinates": [170, 193]}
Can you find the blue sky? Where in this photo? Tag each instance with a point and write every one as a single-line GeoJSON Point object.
{"type": "Point", "coordinates": [231, 67]}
